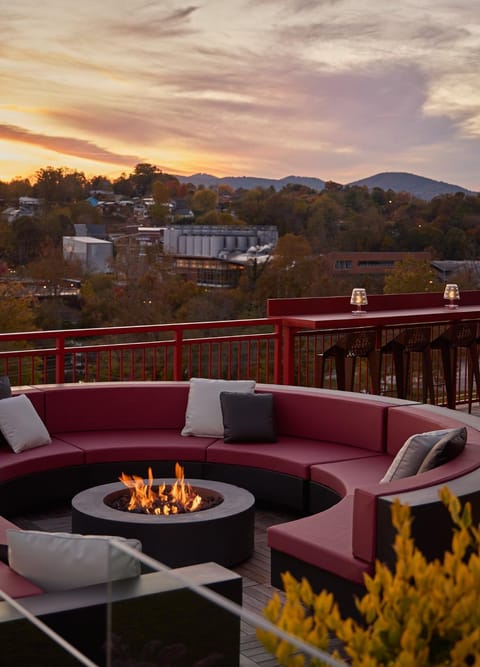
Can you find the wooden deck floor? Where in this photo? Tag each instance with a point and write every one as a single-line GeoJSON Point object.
{"type": "Point", "coordinates": [255, 572]}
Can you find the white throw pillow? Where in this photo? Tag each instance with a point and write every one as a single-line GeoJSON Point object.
{"type": "Point", "coordinates": [203, 416]}
{"type": "Point", "coordinates": [410, 457]}
{"type": "Point", "coordinates": [21, 424]}
{"type": "Point", "coordinates": [61, 561]}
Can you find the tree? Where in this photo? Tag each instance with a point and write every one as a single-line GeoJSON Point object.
{"type": "Point", "coordinates": [204, 201]}
{"type": "Point", "coordinates": [143, 177]}
{"type": "Point", "coordinates": [27, 235]}
{"type": "Point", "coordinates": [51, 268]}
{"type": "Point", "coordinates": [411, 275]}
{"type": "Point", "coordinates": [60, 185]}
{"type": "Point", "coordinates": [422, 613]}
{"type": "Point", "coordinates": [16, 308]}
{"type": "Point", "coordinates": [99, 301]}
{"type": "Point", "coordinates": [293, 271]}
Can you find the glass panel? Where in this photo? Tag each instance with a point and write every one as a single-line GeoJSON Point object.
{"type": "Point", "coordinates": [183, 617]}
{"type": "Point", "coordinates": [188, 616]}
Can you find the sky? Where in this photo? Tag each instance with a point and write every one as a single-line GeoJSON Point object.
{"type": "Point", "coordinates": [336, 89]}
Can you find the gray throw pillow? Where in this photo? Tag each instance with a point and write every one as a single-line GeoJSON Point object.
{"type": "Point", "coordinates": [5, 388]}
{"type": "Point", "coordinates": [413, 452]}
{"type": "Point", "coordinates": [446, 449]}
{"type": "Point", "coordinates": [247, 417]}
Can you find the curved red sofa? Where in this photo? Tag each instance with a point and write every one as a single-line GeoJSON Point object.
{"type": "Point", "coordinates": [333, 447]}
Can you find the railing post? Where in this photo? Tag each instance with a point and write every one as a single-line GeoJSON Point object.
{"type": "Point", "coordinates": [178, 356]}
{"type": "Point", "coordinates": [277, 355]}
{"type": "Point", "coordinates": [60, 360]}
{"type": "Point", "coordinates": [288, 346]}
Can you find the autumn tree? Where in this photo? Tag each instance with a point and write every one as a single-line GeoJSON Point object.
{"type": "Point", "coordinates": [411, 275]}
{"type": "Point", "coordinates": [292, 270]}
{"type": "Point", "coordinates": [25, 239]}
{"type": "Point", "coordinates": [100, 304]}
{"type": "Point", "coordinates": [143, 177]}
{"type": "Point", "coordinates": [59, 185]}
{"type": "Point", "coordinates": [52, 268]}
{"type": "Point", "coordinates": [16, 308]}
{"type": "Point", "coordinates": [203, 201]}
{"type": "Point", "coordinates": [16, 188]}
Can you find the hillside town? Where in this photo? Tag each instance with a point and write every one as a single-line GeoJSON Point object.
{"type": "Point", "coordinates": [147, 247]}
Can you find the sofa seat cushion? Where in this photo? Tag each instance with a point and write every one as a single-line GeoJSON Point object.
{"type": "Point", "coordinates": [120, 405]}
{"type": "Point", "coordinates": [289, 455]}
{"type": "Point", "coordinates": [344, 477]}
{"type": "Point", "coordinates": [137, 445]}
{"type": "Point", "coordinates": [57, 454]}
{"type": "Point", "coordinates": [323, 540]}
{"type": "Point", "coordinates": [15, 585]}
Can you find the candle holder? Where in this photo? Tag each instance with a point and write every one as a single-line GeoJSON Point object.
{"type": "Point", "coordinates": [359, 299]}
{"type": "Point", "coordinates": [452, 294]}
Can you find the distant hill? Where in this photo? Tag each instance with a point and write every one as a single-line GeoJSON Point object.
{"type": "Point", "coordinates": [251, 182]}
{"type": "Point", "coordinates": [418, 186]}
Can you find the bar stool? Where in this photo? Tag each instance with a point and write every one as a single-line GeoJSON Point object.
{"type": "Point", "coordinates": [411, 340]}
{"type": "Point", "coordinates": [459, 335]}
{"type": "Point", "coordinates": [345, 352]}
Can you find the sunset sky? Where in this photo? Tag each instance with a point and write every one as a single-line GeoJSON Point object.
{"type": "Point", "coordinates": [337, 89]}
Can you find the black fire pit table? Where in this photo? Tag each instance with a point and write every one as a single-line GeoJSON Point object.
{"type": "Point", "coordinates": [223, 534]}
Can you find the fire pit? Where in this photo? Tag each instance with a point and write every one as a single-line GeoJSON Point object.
{"type": "Point", "coordinates": [219, 528]}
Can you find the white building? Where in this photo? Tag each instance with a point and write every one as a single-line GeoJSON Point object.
{"type": "Point", "coordinates": [221, 242]}
{"type": "Point", "coordinates": [94, 254]}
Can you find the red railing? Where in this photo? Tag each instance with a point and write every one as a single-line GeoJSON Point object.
{"type": "Point", "coordinates": [276, 349]}
{"type": "Point", "coordinates": [229, 349]}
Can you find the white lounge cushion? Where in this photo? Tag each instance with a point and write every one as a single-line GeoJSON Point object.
{"type": "Point", "coordinates": [203, 416]}
{"type": "Point", "coordinates": [61, 561]}
{"type": "Point", "coordinates": [21, 425]}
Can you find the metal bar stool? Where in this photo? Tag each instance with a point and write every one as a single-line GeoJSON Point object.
{"type": "Point", "coordinates": [345, 352]}
{"type": "Point", "coordinates": [414, 339]}
{"type": "Point", "coordinates": [459, 335]}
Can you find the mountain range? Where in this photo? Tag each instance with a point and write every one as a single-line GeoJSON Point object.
{"type": "Point", "coordinates": [418, 186]}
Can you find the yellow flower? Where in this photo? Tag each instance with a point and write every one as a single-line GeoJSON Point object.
{"type": "Point", "coordinates": [422, 613]}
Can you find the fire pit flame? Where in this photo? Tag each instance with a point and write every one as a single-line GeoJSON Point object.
{"type": "Point", "coordinates": [178, 498]}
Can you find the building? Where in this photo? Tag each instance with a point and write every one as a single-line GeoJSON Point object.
{"type": "Point", "coordinates": [94, 254]}
{"type": "Point", "coordinates": [215, 256]}
{"type": "Point", "coordinates": [369, 263]}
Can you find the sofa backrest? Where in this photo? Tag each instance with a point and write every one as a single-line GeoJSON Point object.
{"type": "Point", "coordinates": [419, 418]}
{"type": "Point", "coordinates": [116, 405]}
{"type": "Point", "coordinates": [335, 416]}
{"type": "Point", "coordinates": [410, 490]}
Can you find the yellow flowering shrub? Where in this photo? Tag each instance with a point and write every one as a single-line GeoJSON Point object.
{"type": "Point", "coordinates": [421, 614]}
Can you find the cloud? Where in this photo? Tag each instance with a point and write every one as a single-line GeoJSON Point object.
{"type": "Point", "coordinates": [152, 21]}
{"type": "Point", "coordinates": [66, 145]}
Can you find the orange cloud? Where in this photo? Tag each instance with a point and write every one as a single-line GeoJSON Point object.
{"type": "Point", "coordinates": [67, 146]}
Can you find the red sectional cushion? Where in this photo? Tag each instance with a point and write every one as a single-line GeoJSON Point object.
{"type": "Point", "coordinates": [405, 422]}
{"type": "Point", "coordinates": [55, 455]}
{"type": "Point", "coordinates": [330, 416]}
{"type": "Point", "coordinates": [345, 476]}
{"type": "Point", "coordinates": [323, 540]}
{"type": "Point", "coordinates": [289, 455]}
{"type": "Point", "coordinates": [119, 405]}
{"type": "Point", "coordinates": [137, 445]}
{"type": "Point", "coordinates": [364, 510]}
{"type": "Point", "coordinates": [15, 585]}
